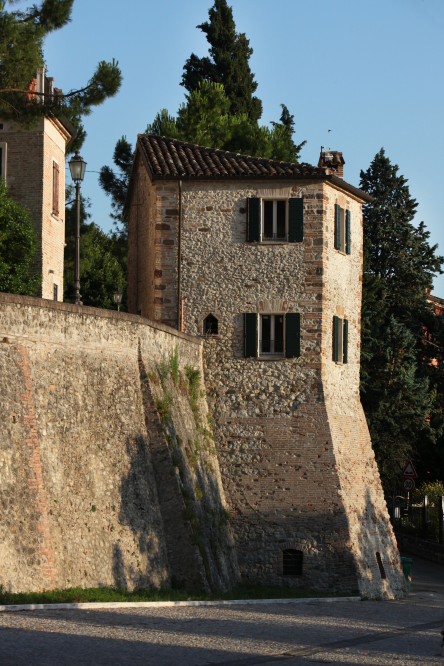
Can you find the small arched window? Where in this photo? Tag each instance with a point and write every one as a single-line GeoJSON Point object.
{"type": "Point", "coordinates": [211, 325]}
{"type": "Point", "coordinates": [292, 562]}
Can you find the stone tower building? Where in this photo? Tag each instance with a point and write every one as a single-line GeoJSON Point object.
{"type": "Point", "coordinates": [32, 164]}
{"type": "Point", "coordinates": [264, 260]}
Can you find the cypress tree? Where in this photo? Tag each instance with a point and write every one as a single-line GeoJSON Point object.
{"type": "Point", "coordinates": [228, 63]}
{"type": "Point", "coordinates": [398, 378]}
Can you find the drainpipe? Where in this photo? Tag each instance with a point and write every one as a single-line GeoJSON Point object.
{"type": "Point", "coordinates": [179, 249]}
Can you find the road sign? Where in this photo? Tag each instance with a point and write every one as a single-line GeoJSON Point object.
{"type": "Point", "coordinates": [408, 485]}
{"type": "Point", "coordinates": [410, 471]}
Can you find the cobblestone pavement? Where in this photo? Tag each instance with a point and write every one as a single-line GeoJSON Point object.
{"type": "Point", "coordinates": [350, 633]}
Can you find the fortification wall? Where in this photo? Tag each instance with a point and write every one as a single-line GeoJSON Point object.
{"type": "Point", "coordinates": [89, 492]}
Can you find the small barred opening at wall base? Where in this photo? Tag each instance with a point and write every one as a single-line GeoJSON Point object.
{"type": "Point", "coordinates": [292, 561]}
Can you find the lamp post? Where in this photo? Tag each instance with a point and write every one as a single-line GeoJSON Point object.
{"type": "Point", "coordinates": [118, 298]}
{"type": "Point", "coordinates": [77, 168]}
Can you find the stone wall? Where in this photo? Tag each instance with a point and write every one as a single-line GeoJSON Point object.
{"type": "Point", "coordinates": [89, 494]}
{"type": "Point", "coordinates": [295, 453]}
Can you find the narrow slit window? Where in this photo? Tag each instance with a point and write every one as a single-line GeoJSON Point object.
{"type": "Point", "coordinates": [56, 292]}
{"type": "Point", "coordinates": [211, 325]}
{"type": "Point", "coordinates": [380, 565]}
{"type": "Point", "coordinates": [292, 561]}
{"type": "Point", "coordinates": [55, 188]}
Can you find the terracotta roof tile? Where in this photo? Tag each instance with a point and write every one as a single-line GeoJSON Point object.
{"type": "Point", "coordinates": [170, 158]}
{"type": "Point", "coordinates": [173, 158]}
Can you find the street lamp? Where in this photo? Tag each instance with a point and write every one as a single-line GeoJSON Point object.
{"type": "Point", "coordinates": [118, 298]}
{"type": "Point", "coordinates": [77, 168]}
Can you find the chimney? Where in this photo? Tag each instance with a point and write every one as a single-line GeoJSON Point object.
{"type": "Point", "coordinates": [333, 160]}
{"type": "Point", "coordinates": [41, 83]}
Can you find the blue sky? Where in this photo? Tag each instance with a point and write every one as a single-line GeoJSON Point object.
{"type": "Point", "coordinates": [372, 73]}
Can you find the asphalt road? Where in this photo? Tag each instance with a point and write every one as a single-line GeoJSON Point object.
{"type": "Point", "coordinates": [403, 632]}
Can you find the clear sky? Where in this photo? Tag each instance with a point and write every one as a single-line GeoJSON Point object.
{"type": "Point", "coordinates": [372, 73]}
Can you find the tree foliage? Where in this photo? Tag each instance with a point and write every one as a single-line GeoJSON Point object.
{"type": "Point", "coordinates": [18, 246]}
{"type": "Point", "coordinates": [102, 260]}
{"type": "Point", "coordinates": [206, 120]}
{"type": "Point", "coordinates": [115, 185]}
{"type": "Point", "coordinates": [22, 35]}
{"type": "Point", "coordinates": [228, 63]}
{"type": "Point", "coordinates": [402, 386]}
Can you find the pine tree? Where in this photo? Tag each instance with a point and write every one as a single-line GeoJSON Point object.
{"type": "Point", "coordinates": [399, 265]}
{"type": "Point", "coordinates": [115, 185]}
{"type": "Point", "coordinates": [22, 35]}
{"type": "Point", "coordinates": [102, 260]}
{"type": "Point", "coordinates": [228, 63]}
{"type": "Point", "coordinates": [18, 246]}
{"type": "Point", "coordinates": [206, 120]}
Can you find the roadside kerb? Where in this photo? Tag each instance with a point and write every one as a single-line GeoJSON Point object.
{"type": "Point", "coordinates": [163, 604]}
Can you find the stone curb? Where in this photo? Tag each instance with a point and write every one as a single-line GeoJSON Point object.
{"type": "Point", "coordinates": [162, 604]}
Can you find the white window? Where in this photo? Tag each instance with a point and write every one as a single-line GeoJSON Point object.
{"type": "Point", "coordinates": [274, 219]}
{"type": "Point", "coordinates": [55, 188]}
{"type": "Point", "coordinates": [271, 335]}
{"type": "Point", "coordinates": [342, 230]}
{"type": "Point", "coordinates": [3, 155]}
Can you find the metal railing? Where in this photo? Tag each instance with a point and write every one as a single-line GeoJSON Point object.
{"type": "Point", "coordinates": [271, 347]}
{"type": "Point", "coordinates": [423, 519]}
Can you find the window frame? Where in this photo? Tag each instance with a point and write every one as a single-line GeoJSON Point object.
{"type": "Point", "coordinates": [55, 204]}
{"type": "Point", "coordinates": [274, 200]}
{"type": "Point", "coordinates": [261, 354]}
{"type": "Point", "coordinates": [3, 160]}
{"type": "Point", "coordinates": [342, 348]}
{"type": "Point", "coordinates": [55, 289]}
{"type": "Point", "coordinates": [344, 213]}
{"type": "Point", "coordinates": [210, 335]}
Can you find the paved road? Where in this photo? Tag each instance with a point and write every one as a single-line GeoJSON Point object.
{"type": "Point", "coordinates": [355, 633]}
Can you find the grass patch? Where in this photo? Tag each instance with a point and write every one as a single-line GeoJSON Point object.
{"type": "Point", "coordinates": [174, 365]}
{"type": "Point", "coordinates": [106, 594]}
{"type": "Point", "coordinates": [163, 406]}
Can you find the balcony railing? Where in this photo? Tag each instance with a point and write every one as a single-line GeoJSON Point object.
{"type": "Point", "coordinates": [280, 236]}
{"type": "Point", "coordinates": [271, 347]}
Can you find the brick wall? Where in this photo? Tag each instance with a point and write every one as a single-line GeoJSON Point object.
{"type": "Point", "coordinates": [30, 156]}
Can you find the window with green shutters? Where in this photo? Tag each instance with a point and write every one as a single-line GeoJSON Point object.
{"type": "Point", "coordinates": [340, 340]}
{"type": "Point", "coordinates": [272, 335]}
{"type": "Point", "coordinates": [275, 220]}
{"type": "Point", "coordinates": [342, 230]}
{"type": "Point", "coordinates": [253, 220]}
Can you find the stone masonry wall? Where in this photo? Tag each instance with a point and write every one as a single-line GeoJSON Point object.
{"type": "Point", "coordinates": [295, 454]}
{"type": "Point", "coordinates": [83, 452]}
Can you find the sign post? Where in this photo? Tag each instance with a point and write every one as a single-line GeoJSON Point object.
{"type": "Point", "coordinates": [408, 479]}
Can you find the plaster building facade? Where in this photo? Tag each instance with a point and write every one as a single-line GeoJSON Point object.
{"type": "Point", "coordinates": [33, 167]}
{"type": "Point", "coordinates": [263, 260]}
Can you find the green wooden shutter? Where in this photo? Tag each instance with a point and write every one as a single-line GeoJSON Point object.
{"type": "Point", "coordinates": [253, 220]}
{"type": "Point", "coordinates": [336, 339]}
{"type": "Point", "coordinates": [345, 357]}
{"type": "Point", "coordinates": [296, 220]}
{"type": "Point", "coordinates": [250, 330]}
{"type": "Point", "coordinates": [348, 232]}
{"type": "Point", "coordinates": [292, 335]}
{"type": "Point", "coordinates": [337, 227]}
